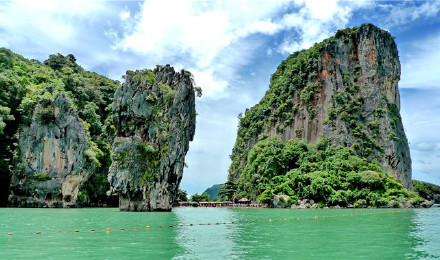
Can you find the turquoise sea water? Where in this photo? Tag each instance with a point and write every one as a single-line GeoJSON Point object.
{"type": "Point", "coordinates": [255, 234]}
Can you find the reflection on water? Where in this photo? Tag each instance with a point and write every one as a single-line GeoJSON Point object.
{"type": "Point", "coordinates": [391, 234]}
{"type": "Point", "coordinates": [385, 234]}
{"type": "Point", "coordinates": [427, 232]}
{"type": "Point", "coordinates": [206, 241]}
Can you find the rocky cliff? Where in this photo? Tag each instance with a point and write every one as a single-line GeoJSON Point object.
{"type": "Point", "coordinates": [55, 132]}
{"type": "Point", "coordinates": [154, 116]}
{"type": "Point", "coordinates": [343, 89]}
{"type": "Point", "coordinates": [51, 163]}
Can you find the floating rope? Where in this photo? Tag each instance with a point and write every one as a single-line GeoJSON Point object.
{"type": "Point", "coordinates": [219, 223]}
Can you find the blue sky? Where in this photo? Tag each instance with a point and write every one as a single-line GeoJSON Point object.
{"type": "Point", "coordinates": [232, 48]}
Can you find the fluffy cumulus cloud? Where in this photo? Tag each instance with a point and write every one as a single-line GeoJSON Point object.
{"type": "Point", "coordinates": [399, 13]}
{"type": "Point", "coordinates": [41, 26]}
{"type": "Point", "coordinates": [314, 21]}
{"type": "Point", "coordinates": [197, 33]}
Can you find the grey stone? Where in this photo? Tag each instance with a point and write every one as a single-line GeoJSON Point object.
{"type": "Point", "coordinates": [277, 202]}
{"type": "Point", "coordinates": [369, 60]}
{"type": "Point", "coordinates": [54, 151]}
{"type": "Point", "coordinates": [154, 116]}
{"type": "Point", "coordinates": [427, 204]}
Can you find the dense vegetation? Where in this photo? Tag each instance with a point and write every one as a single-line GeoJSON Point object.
{"type": "Point", "coordinates": [263, 167]}
{"type": "Point", "coordinates": [182, 195]}
{"type": "Point", "coordinates": [27, 90]}
{"type": "Point", "coordinates": [328, 175]}
{"type": "Point", "coordinates": [296, 75]}
{"type": "Point", "coordinates": [197, 198]}
{"type": "Point", "coordinates": [427, 190]}
{"type": "Point", "coordinates": [213, 192]}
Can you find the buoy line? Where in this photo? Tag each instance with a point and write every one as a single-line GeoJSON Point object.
{"type": "Point", "coordinates": [180, 225]}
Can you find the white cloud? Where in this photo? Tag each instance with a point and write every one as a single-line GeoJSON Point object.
{"type": "Point", "coordinates": [319, 9]}
{"type": "Point", "coordinates": [124, 15]}
{"type": "Point", "coordinates": [55, 21]}
{"type": "Point", "coordinates": [315, 21]}
{"type": "Point", "coordinates": [409, 11]}
{"type": "Point", "coordinates": [36, 29]}
{"type": "Point", "coordinates": [264, 27]}
{"type": "Point", "coordinates": [197, 33]}
{"type": "Point", "coordinates": [215, 85]}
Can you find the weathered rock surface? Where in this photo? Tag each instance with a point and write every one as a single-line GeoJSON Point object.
{"type": "Point", "coordinates": [344, 89]}
{"type": "Point", "coordinates": [154, 115]}
{"type": "Point", "coordinates": [51, 163]}
{"type": "Point", "coordinates": [280, 201]}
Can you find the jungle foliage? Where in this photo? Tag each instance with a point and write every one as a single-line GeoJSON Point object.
{"type": "Point", "coordinates": [427, 190]}
{"type": "Point", "coordinates": [263, 167]}
{"type": "Point", "coordinates": [27, 90]}
{"type": "Point", "coordinates": [328, 175]}
{"type": "Point", "coordinates": [295, 76]}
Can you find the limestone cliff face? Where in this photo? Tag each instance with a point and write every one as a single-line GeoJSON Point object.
{"type": "Point", "coordinates": [344, 89]}
{"type": "Point", "coordinates": [51, 163]}
{"type": "Point", "coordinates": [154, 116]}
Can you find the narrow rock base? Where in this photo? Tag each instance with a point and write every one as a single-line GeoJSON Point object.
{"type": "Point", "coordinates": [140, 205]}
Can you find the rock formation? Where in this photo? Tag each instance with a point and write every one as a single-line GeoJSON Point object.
{"type": "Point", "coordinates": [51, 163]}
{"type": "Point", "coordinates": [343, 89]}
{"type": "Point", "coordinates": [154, 116]}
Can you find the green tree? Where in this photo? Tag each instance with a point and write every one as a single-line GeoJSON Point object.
{"type": "Point", "coordinates": [228, 190]}
{"type": "Point", "coordinates": [182, 195]}
{"type": "Point", "coordinates": [326, 174]}
{"type": "Point", "coordinates": [198, 198]}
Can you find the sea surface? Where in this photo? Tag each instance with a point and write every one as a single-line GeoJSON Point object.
{"type": "Point", "coordinates": [220, 233]}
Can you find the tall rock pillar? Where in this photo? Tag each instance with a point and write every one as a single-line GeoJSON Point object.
{"type": "Point", "coordinates": [155, 118]}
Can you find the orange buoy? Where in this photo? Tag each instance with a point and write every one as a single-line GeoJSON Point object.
{"type": "Point", "coordinates": [108, 229]}
{"type": "Point", "coordinates": [10, 233]}
{"type": "Point", "coordinates": [147, 226]}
